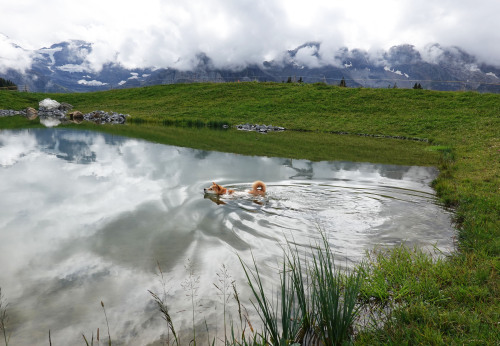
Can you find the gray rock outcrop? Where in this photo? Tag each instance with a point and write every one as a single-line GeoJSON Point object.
{"type": "Point", "coordinates": [259, 128]}
{"type": "Point", "coordinates": [53, 113]}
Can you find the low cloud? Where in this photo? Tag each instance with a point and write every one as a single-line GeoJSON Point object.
{"type": "Point", "coordinates": [12, 56]}
{"type": "Point", "coordinates": [235, 34]}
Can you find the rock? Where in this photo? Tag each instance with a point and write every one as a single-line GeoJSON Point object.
{"type": "Point", "coordinates": [9, 112]}
{"type": "Point", "coordinates": [65, 107]}
{"type": "Point", "coordinates": [259, 128]}
{"type": "Point", "coordinates": [76, 116]}
{"type": "Point", "coordinates": [48, 104]}
{"type": "Point", "coordinates": [31, 113]}
{"type": "Point", "coordinates": [53, 113]}
{"type": "Point", "coordinates": [101, 117]}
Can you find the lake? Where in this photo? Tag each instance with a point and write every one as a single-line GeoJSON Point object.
{"type": "Point", "coordinates": [87, 217]}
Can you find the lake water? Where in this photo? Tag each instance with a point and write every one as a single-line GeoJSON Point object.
{"type": "Point", "coordinates": [88, 217]}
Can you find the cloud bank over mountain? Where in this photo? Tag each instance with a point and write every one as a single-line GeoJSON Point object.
{"type": "Point", "coordinates": [12, 56]}
{"type": "Point", "coordinates": [156, 33]}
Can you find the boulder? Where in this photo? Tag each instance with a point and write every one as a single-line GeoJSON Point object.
{"type": "Point", "coordinates": [31, 113]}
{"type": "Point", "coordinates": [65, 107]}
{"type": "Point", "coordinates": [48, 104]}
{"type": "Point", "coordinates": [76, 116]}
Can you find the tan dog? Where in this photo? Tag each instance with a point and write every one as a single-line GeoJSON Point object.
{"type": "Point", "coordinates": [218, 190]}
{"type": "Point", "coordinates": [258, 188]}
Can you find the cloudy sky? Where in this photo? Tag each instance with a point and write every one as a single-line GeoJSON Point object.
{"type": "Point", "coordinates": [166, 33]}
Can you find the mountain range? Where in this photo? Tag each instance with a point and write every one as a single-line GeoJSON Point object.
{"type": "Point", "coordinates": [64, 67]}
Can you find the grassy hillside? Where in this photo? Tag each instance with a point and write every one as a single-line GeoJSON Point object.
{"type": "Point", "coordinates": [455, 301]}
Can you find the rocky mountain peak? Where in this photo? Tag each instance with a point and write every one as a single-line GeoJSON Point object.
{"type": "Point", "coordinates": [65, 67]}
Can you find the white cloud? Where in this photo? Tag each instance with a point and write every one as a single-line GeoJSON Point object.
{"type": "Point", "coordinates": [12, 57]}
{"type": "Point", "coordinates": [235, 33]}
{"type": "Point", "coordinates": [308, 56]}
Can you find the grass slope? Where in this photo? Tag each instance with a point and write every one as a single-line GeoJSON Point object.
{"type": "Point", "coordinates": [455, 301]}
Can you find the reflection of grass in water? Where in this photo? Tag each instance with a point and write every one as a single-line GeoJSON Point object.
{"type": "Point", "coordinates": [314, 146]}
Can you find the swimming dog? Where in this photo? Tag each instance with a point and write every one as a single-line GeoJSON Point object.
{"type": "Point", "coordinates": [258, 188]}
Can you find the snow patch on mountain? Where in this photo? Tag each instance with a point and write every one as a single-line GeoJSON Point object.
{"type": "Point", "coordinates": [388, 69]}
{"type": "Point", "coordinates": [74, 68]}
{"type": "Point", "coordinates": [91, 82]}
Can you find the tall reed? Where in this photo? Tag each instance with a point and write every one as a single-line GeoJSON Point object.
{"type": "Point", "coordinates": [314, 306]}
{"type": "Point", "coordinates": [334, 297]}
{"type": "Point", "coordinates": [107, 323]}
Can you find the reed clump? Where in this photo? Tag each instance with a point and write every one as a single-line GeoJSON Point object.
{"type": "Point", "coordinates": [317, 305]}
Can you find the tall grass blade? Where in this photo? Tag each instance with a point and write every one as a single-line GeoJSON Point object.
{"type": "Point", "coordinates": [281, 320]}
{"type": "Point", "coordinates": [165, 314]}
{"type": "Point", "coordinates": [334, 297]}
{"type": "Point", "coordinates": [107, 323]}
{"type": "Point", "coordinates": [301, 290]}
{"type": "Point", "coordinates": [263, 306]}
{"type": "Point", "coordinates": [84, 338]}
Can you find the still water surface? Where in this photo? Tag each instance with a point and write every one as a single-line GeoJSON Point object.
{"type": "Point", "coordinates": [87, 217]}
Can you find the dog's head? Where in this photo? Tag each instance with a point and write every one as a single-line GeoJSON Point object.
{"type": "Point", "coordinates": [215, 189]}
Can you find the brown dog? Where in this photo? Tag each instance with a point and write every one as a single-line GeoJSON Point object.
{"type": "Point", "coordinates": [258, 188]}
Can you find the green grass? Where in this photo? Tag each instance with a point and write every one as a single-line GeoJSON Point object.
{"type": "Point", "coordinates": [432, 301]}
{"type": "Point", "coordinates": [451, 301]}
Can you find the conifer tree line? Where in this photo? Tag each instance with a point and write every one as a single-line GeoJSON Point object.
{"type": "Point", "coordinates": [5, 83]}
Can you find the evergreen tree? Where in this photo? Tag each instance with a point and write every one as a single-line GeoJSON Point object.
{"type": "Point", "coordinates": [289, 80]}
{"type": "Point", "coordinates": [5, 83]}
{"type": "Point", "coordinates": [342, 83]}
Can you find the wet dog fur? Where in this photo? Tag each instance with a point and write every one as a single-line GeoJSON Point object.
{"type": "Point", "coordinates": [258, 188]}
